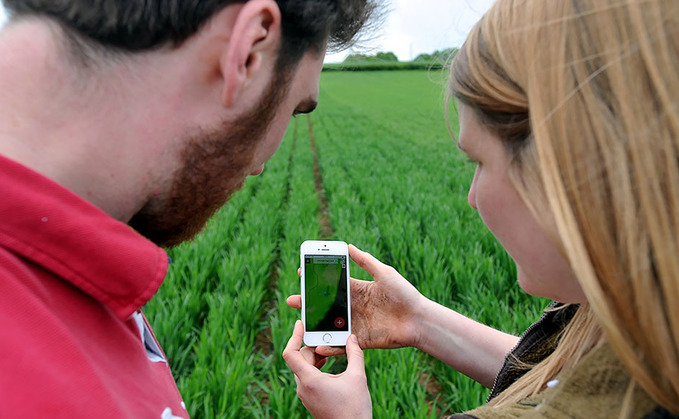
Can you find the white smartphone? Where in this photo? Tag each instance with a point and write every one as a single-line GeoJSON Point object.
{"type": "Point", "coordinates": [326, 304]}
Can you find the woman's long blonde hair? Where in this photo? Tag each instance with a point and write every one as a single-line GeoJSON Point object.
{"type": "Point", "coordinates": [585, 95]}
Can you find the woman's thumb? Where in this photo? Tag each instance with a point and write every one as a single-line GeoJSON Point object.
{"type": "Point", "coordinates": [365, 260]}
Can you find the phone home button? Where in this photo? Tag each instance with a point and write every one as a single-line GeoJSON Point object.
{"type": "Point", "coordinates": [327, 338]}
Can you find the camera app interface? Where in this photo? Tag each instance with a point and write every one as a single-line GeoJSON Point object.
{"type": "Point", "coordinates": [326, 292]}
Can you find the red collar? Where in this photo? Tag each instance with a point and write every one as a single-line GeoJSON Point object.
{"type": "Point", "coordinates": [57, 230]}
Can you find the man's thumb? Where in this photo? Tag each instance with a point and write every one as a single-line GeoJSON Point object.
{"type": "Point", "coordinates": [355, 358]}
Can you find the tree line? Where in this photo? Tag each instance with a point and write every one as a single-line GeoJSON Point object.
{"type": "Point", "coordinates": [439, 56]}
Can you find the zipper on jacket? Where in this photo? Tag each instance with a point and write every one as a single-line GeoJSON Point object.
{"type": "Point", "coordinates": [523, 335]}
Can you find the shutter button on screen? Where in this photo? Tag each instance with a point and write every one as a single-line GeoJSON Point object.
{"type": "Point", "coordinates": [327, 338]}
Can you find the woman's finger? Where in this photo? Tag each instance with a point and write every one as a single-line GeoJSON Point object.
{"type": "Point", "coordinates": [294, 301]}
{"type": "Point", "coordinates": [366, 261]}
{"type": "Point", "coordinates": [327, 351]}
{"type": "Point", "coordinates": [309, 355]}
{"type": "Point", "coordinates": [312, 357]}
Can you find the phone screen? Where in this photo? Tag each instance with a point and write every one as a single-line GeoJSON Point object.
{"type": "Point", "coordinates": [326, 292]}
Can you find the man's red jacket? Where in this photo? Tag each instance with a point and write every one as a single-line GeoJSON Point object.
{"type": "Point", "coordinates": [73, 341]}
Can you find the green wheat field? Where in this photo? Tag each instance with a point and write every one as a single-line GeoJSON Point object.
{"type": "Point", "coordinates": [375, 166]}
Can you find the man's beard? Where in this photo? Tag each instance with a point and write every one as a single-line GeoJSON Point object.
{"type": "Point", "coordinates": [215, 165]}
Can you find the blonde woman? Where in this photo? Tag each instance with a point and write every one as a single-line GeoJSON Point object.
{"type": "Point", "coordinates": [571, 110]}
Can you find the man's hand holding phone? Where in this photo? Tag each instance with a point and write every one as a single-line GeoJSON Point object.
{"type": "Point", "coordinates": [319, 391]}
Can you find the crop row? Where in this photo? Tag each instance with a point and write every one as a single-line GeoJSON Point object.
{"type": "Point", "coordinates": [396, 186]}
{"type": "Point", "coordinates": [209, 313]}
{"type": "Point", "coordinates": [392, 182]}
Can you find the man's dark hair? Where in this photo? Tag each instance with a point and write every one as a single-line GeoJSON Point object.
{"type": "Point", "coordinates": [139, 25]}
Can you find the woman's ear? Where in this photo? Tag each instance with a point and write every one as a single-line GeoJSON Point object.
{"type": "Point", "coordinates": [253, 46]}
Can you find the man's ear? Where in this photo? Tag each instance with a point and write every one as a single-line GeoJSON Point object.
{"type": "Point", "coordinates": [255, 38]}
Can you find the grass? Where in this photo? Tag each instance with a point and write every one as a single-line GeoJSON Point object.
{"type": "Point", "coordinates": [374, 166]}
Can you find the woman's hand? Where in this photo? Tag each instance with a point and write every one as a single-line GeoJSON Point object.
{"type": "Point", "coordinates": [390, 313]}
{"type": "Point", "coordinates": [325, 395]}
{"type": "Point", "coordinates": [384, 312]}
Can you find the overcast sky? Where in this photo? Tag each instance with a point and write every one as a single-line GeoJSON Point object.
{"type": "Point", "coordinates": [413, 27]}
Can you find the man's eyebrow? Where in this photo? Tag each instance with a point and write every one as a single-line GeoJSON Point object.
{"type": "Point", "coordinates": [306, 106]}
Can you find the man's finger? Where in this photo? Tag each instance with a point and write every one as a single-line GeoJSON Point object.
{"type": "Point", "coordinates": [297, 338]}
{"type": "Point", "coordinates": [292, 355]}
{"type": "Point", "coordinates": [355, 357]}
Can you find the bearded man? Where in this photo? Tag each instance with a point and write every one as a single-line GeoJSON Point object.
{"type": "Point", "coordinates": [118, 113]}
